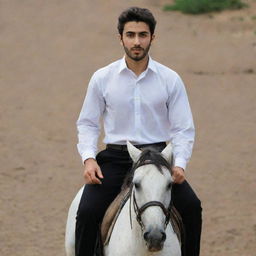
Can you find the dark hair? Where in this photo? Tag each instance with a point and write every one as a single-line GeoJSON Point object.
{"type": "Point", "coordinates": [136, 14]}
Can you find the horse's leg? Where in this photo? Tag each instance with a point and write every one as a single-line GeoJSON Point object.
{"type": "Point", "coordinates": [71, 225]}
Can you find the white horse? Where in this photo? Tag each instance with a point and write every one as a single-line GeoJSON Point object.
{"type": "Point", "coordinates": [143, 226]}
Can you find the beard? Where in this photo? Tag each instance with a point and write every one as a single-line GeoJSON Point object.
{"type": "Point", "coordinates": [142, 52]}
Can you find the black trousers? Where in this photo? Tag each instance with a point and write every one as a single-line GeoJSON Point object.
{"type": "Point", "coordinates": [96, 198]}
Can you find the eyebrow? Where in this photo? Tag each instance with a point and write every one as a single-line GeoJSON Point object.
{"type": "Point", "coordinates": [133, 32]}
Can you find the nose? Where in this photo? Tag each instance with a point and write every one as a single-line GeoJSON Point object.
{"type": "Point", "coordinates": [155, 239]}
{"type": "Point", "coordinates": [136, 40]}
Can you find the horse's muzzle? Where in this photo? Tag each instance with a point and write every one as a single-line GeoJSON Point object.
{"type": "Point", "coordinates": [155, 239]}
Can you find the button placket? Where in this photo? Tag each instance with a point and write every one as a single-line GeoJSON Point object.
{"type": "Point", "coordinates": [137, 109]}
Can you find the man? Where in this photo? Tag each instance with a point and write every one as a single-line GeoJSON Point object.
{"type": "Point", "coordinates": [146, 103]}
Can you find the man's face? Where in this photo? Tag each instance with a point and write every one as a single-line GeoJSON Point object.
{"type": "Point", "coordinates": [136, 40]}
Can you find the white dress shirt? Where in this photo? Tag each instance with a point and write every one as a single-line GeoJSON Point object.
{"type": "Point", "coordinates": [149, 108]}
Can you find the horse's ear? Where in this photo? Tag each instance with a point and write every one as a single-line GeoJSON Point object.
{"type": "Point", "coordinates": [133, 152]}
{"type": "Point", "coordinates": [167, 153]}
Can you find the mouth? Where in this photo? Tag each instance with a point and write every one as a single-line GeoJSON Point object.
{"type": "Point", "coordinates": [155, 248]}
{"type": "Point", "coordinates": [137, 50]}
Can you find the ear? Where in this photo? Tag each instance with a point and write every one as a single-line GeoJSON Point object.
{"type": "Point", "coordinates": [153, 37]}
{"type": "Point", "coordinates": [167, 153]}
{"type": "Point", "coordinates": [120, 39]}
{"type": "Point", "coordinates": [133, 152]}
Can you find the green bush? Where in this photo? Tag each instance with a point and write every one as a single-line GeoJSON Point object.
{"type": "Point", "coordinates": [203, 6]}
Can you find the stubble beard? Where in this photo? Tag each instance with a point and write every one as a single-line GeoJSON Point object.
{"type": "Point", "coordinates": [137, 57]}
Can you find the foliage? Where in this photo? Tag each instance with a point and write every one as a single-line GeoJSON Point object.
{"type": "Point", "coordinates": [203, 6]}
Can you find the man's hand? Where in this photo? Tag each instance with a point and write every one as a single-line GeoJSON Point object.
{"type": "Point", "coordinates": [178, 175]}
{"type": "Point", "coordinates": [92, 172]}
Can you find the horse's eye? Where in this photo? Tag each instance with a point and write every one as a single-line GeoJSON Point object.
{"type": "Point", "coordinates": [169, 186]}
{"type": "Point", "coordinates": [137, 185]}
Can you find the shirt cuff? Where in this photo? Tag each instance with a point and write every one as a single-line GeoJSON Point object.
{"type": "Point", "coordinates": [87, 155]}
{"type": "Point", "coordinates": [180, 162]}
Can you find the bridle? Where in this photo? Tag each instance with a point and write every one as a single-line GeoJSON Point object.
{"type": "Point", "coordinates": [139, 210]}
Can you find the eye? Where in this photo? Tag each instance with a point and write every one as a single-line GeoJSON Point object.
{"type": "Point", "coordinates": [130, 34]}
{"type": "Point", "coordinates": [143, 34]}
{"type": "Point", "coordinates": [137, 185]}
{"type": "Point", "coordinates": [169, 186]}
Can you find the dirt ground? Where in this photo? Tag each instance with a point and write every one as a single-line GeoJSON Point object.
{"type": "Point", "coordinates": [49, 50]}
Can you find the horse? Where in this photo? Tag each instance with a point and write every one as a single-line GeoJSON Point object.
{"type": "Point", "coordinates": [143, 227]}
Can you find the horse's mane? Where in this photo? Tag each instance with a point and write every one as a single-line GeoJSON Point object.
{"type": "Point", "coordinates": [148, 156]}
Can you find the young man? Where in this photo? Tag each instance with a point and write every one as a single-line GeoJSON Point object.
{"type": "Point", "coordinates": [144, 102]}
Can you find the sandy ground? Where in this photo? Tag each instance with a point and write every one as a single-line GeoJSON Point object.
{"type": "Point", "coordinates": [49, 50]}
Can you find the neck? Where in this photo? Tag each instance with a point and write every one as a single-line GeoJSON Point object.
{"type": "Point", "coordinates": [137, 66]}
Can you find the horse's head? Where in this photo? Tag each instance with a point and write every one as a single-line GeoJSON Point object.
{"type": "Point", "coordinates": [151, 193]}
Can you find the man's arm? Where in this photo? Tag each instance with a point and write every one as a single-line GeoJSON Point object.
{"type": "Point", "coordinates": [182, 129]}
{"type": "Point", "coordinates": [88, 126]}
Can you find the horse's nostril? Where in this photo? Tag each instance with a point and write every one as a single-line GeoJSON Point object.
{"type": "Point", "coordinates": [163, 236]}
{"type": "Point", "coordinates": [146, 235]}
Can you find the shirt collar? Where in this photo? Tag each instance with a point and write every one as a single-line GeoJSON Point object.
{"type": "Point", "coordinates": [122, 65]}
{"type": "Point", "coordinates": [151, 65]}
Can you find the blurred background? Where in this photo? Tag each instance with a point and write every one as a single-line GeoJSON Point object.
{"type": "Point", "coordinates": [48, 52]}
